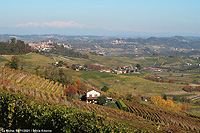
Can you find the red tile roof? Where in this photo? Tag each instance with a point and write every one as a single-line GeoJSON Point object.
{"type": "Point", "coordinates": [93, 89]}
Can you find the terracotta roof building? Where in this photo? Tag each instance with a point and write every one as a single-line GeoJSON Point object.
{"type": "Point", "coordinates": [92, 94]}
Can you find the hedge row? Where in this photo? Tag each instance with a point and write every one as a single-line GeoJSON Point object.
{"type": "Point", "coordinates": [121, 105]}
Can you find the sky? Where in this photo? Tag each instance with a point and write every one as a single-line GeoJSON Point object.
{"type": "Point", "coordinates": [101, 17]}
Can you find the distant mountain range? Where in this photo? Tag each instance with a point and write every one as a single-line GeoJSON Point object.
{"type": "Point", "coordinates": [176, 41]}
{"type": "Point", "coordinates": [47, 37]}
{"type": "Point", "coordinates": [44, 37]}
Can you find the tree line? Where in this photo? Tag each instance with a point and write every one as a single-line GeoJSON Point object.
{"type": "Point", "coordinates": [15, 47]}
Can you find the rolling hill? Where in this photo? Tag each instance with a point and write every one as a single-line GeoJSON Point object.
{"type": "Point", "coordinates": [15, 84]}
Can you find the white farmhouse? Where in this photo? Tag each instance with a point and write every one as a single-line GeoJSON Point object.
{"type": "Point", "coordinates": [92, 94]}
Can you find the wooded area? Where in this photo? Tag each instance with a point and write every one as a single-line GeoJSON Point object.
{"type": "Point", "coordinates": [14, 47]}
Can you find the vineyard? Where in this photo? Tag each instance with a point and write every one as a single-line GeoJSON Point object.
{"type": "Point", "coordinates": [18, 111]}
{"type": "Point", "coordinates": [184, 119]}
{"type": "Point", "coordinates": [32, 85]}
{"type": "Point", "coordinates": [135, 117]}
{"type": "Point", "coordinates": [140, 116]}
{"type": "Point", "coordinates": [16, 81]}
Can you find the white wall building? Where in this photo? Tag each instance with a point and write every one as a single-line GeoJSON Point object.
{"type": "Point", "coordinates": [92, 94]}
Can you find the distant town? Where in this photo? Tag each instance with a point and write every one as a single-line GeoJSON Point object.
{"type": "Point", "coordinates": [115, 46]}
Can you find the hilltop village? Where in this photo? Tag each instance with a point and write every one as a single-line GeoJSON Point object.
{"type": "Point", "coordinates": [46, 46]}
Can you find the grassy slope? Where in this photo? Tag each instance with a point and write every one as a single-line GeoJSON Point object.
{"type": "Point", "coordinates": [33, 58]}
{"type": "Point", "coordinates": [2, 60]}
{"type": "Point", "coordinates": [126, 83]}
{"type": "Point", "coordinates": [164, 61]}
{"type": "Point", "coordinates": [99, 60]}
{"type": "Point", "coordinates": [105, 61]}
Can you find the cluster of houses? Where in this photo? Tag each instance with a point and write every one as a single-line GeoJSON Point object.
{"type": "Point", "coordinates": [121, 70]}
{"type": "Point", "coordinates": [91, 67]}
{"type": "Point", "coordinates": [42, 46]}
{"type": "Point", "coordinates": [80, 68]}
{"type": "Point", "coordinates": [121, 41]}
{"type": "Point", "coordinates": [118, 70]}
{"type": "Point", "coordinates": [46, 46]}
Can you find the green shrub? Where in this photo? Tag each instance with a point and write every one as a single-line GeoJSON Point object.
{"type": "Point", "coordinates": [101, 99]}
{"type": "Point", "coordinates": [121, 105]}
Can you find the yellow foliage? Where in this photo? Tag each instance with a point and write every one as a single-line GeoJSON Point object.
{"type": "Point", "coordinates": [170, 103]}
{"type": "Point", "coordinates": [157, 100]}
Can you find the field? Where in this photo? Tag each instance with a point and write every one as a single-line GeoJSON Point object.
{"type": "Point", "coordinates": [165, 61]}
{"type": "Point", "coordinates": [126, 83]}
{"type": "Point", "coordinates": [30, 59]}
{"type": "Point", "coordinates": [108, 62]}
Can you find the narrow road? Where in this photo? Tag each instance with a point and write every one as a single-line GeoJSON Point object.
{"type": "Point", "coordinates": [196, 97]}
{"type": "Point", "coordinates": [156, 61]}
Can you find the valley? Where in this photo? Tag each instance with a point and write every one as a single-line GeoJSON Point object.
{"type": "Point", "coordinates": [160, 92]}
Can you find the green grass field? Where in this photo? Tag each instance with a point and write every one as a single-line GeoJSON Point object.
{"type": "Point", "coordinates": [32, 58]}
{"type": "Point", "coordinates": [2, 59]}
{"type": "Point", "coordinates": [127, 84]}
{"type": "Point", "coordinates": [108, 62]}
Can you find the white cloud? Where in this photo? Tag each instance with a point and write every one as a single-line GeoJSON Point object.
{"type": "Point", "coordinates": [56, 24]}
{"type": "Point", "coordinates": [29, 25]}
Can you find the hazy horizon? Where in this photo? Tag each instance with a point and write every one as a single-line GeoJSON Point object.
{"type": "Point", "coordinates": [128, 18]}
